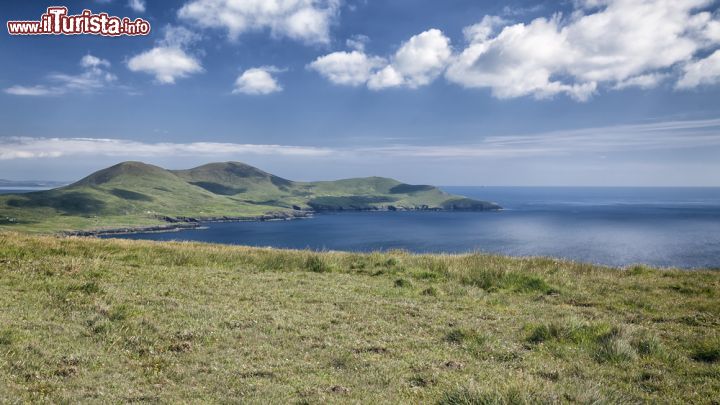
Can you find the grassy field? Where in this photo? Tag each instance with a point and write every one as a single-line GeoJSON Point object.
{"type": "Point", "coordinates": [86, 320]}
{"type": "Point", "coordinates": [135, 194]}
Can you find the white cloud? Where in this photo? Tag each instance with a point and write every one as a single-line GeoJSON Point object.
{"type": "Point", "coordinates": [93, 62]}
{"type": "Point", "coordinates": [703, 71]}
{"type": "Point", "coordinates": [166, 64]}
{"type": "Point", "coordinates": [712, 33]}
{"type": "Point", "coordinates": [94, 76]}
{"type": "Point", "coordinates": [38, 90]}
{"type": "Point", "coordinates": [617, 42]}
{"type": "Point", "coordinates": [416, 63]}
{"type": "Point", "coordinates": [169, 60]}
{"type": "Point", "coordinates": [27, 148]}
{"type": "Point", "coordinates": [647, 81]}
{"type": "Point", "coordinates": [258, 81]}
{"type": "Point", "coordinates": [137, 5]}
{"type": "Point", "coordinates": [601, 45]}
{"type": "Point", "coordinates": [176, 36]}
{"type": "Point", "coordinates": [484, 29]}
{"type": "Point", "coordinates": [357, 42]}
{"type": "Point", "coordinates": [387, 77]}
{"type": "Point", "coordinates": [304, 20]}
{"type": "Point", "coordinates": [347, 68]}
{"type": "Point", "coordinates": [668, 136]}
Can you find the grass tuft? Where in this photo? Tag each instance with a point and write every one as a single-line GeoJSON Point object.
{"type": "Point", "coordinates": [7, 337]}
{"type": "Point", "coordinates": [504, 395]}
{"type": "Point", "coordinates": [315, 264]}
{"type": "Point", "coordinates": [707, 351]}
{"type": "Point", "coordinates": [606, 343]}
{"type": "Point", "coordinates": [402, 283]}
{"type": "Point", "coordinates": [466, 337]}
{"type": "Point", "coordinates": [430, 292]}
{"type": "Point", "coordinates": [499, 279]}
{"type": "Point", "coordinates": [89, 288]}
{"type": "Point", "coordinates": [614, 347]}
{"type": "Point", "coordinates": [639, 270]}
{"type": "Point", "coordinates": [648, 344]}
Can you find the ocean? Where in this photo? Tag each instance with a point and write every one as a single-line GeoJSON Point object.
{"type": "Point", "coordinates": [666, 227]}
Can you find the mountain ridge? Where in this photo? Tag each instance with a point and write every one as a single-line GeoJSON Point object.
{"type": "Point", "coordinates": [131, 194]}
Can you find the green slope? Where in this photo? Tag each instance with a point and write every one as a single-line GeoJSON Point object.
{"type": "Point", "coordinates": [118, 321]}
{"type": "Point", "coordinates": [135, 194]}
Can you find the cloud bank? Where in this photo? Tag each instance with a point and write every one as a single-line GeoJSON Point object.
{"type": "Point", "coordinates": [602, 44]}
{"type": "Point", "coordinates": [416, 63]}
{"type": "Point", "coordinates": [669, 136]}
{"type": "Point", "coordinates": [26, 148]}
{"type": "Point", "coordinates": [307, 21]}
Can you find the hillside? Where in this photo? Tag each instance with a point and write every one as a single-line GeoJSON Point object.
{"type": "Point", "coordinates": [117, 321]}
{"type": "Point", "coordinates": [135, 194]}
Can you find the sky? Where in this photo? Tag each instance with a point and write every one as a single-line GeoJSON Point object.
{"type": "Point", "coordinates": [455, 92]}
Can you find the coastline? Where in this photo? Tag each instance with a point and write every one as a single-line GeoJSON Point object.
{"type": "Point", "coordinates": [177, 224]}
{"type": "Point", "coordinates": [182, 223]}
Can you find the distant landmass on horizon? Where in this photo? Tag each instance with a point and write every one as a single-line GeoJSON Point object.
{"type": "Point", "coordinates": [138, 196]}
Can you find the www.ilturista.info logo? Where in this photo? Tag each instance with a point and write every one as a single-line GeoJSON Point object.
{"type": "Point", "coordinates": [56, 21]}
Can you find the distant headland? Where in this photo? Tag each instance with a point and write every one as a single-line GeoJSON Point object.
{"type": "Point", "coordinates": [135, 196]}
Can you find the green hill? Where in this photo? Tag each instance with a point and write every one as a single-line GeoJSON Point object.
{"type": "Point", "coordinates": [135, 194]}
{"type": "Point", "coordinates": [117, 321]}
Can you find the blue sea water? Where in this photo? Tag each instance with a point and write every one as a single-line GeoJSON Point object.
{"type": "Point", "coordinates": [668, 227]}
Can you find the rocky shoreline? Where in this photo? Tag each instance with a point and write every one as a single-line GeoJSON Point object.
{"type": "Point", "coordinates": [181, 223]}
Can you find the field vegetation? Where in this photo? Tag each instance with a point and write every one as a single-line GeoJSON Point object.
{"type": "Point", "coordinates": [88, 320]}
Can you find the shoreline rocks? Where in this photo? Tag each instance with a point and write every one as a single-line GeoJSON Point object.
{"type": "Point", "coordinates": [182, 223]}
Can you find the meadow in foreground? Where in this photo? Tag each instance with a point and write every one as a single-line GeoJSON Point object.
{"type": "Point", "coordinates": [122, 321]}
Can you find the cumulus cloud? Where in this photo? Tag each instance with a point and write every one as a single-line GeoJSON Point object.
{"type": "Point", "coordinates": [95, 76]}
{"type": "Point", "coordinates": [416, 63]}
{"type": "Point", "coordinates": [137, 5]}
{"type": "Point", "coordinates": [347, 68]}
{"type": "Point", "coordinates": [703, 71]}
{"type": "Point", "coordinates": [601, 45]}
{"type": "Point", "coordinates": [258, 81]}
{"type": "Point", "coordinates": [619, 43]}
{"type": "Point", "coordinates": [169, 60]}
{"type": "Point", "coordinates": [386, 77]}
{"type": "Point", "coordinates": [303, 20]}
{"type": "Point", "coordinates": [165, 63]}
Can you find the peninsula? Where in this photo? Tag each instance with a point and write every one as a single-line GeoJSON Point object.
{"type": "Point", "coordinates": [134, 196]}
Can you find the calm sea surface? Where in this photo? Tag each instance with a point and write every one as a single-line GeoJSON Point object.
{"type": "Point", "coordinates": [669, 227]}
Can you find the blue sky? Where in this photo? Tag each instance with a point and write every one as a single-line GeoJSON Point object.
{"type": "Point", "coordinates": [586, 92]}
